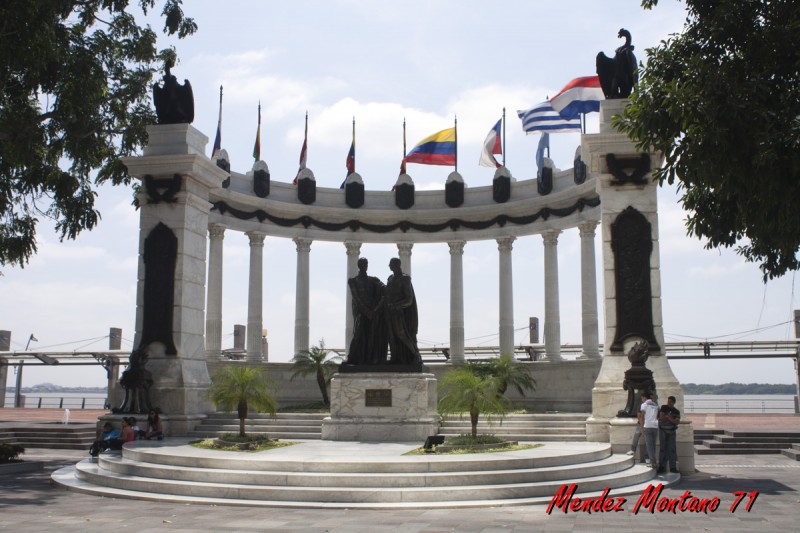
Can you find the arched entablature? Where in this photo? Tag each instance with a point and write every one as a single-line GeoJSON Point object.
{"type": "Point", "coordinates": [429, 220]}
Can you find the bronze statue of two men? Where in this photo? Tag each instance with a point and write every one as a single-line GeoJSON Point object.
{"type": "Point", "coordinates": [384, 316]}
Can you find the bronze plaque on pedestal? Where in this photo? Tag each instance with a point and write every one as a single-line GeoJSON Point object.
{"type": "Point", "coordinates": [378, 398]}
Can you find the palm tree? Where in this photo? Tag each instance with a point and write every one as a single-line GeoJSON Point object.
{"type": "Point", "coordinates": [241, 387]}
{"type": "Point", "coordinates": [507, 372]}
{"type": "Point", "coordinates": [462, 389]}
{"type": "Point", "coordinates": [317, 361]}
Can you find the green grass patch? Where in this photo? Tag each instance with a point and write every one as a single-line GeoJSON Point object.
{"type": "Point", "coordinates": [421, 451]}
{"type": "Point", "coordinates": [213, 444]}
{"type": "Point", "coordinates": [469, 439]}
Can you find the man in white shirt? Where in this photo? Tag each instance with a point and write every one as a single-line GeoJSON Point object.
{"type": "Point", "coordinates": [649, 411]}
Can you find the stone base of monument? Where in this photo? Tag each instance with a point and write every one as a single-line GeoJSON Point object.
{"type": "Point", "coordinates": [382, 407]}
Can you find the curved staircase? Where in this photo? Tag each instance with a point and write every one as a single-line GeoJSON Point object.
{"type": "Point", "coordinates": [336, 474]}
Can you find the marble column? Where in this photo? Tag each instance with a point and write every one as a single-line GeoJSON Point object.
{"type": "Point", "coordinates": [255, 319]}
{"type": "Point", "coordinates": [456, 302]}
{"type": "Point", "coordinates": [353, 249]}
{"type": "Point", "coordinates": [504, 245]}
{"type": "Point", "coordinates": [552, 318]}
{"type": "Point", "coordinates": [301, 313]}
{"type": "Point", "coordinates": [404, 251]}
{"type": "Point", "coordinates": [214, 292]}
{"type": "Point", "coordinates": [590, 337]}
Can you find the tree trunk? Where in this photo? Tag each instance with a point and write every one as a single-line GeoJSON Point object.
{"type": "Point", "coordinates": [242, 417]}
{"type": "Point", "coordinates": [323, 387]}
{"type": "Point", "coordinates": [473, 418]}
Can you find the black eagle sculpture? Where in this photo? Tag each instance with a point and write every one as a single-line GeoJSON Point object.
{"type": "Point", "coordinates": [618, 75]}
{"type": "Point", "coordinates": [174, 102]}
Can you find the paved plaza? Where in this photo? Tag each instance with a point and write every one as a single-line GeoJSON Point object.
{"type": "Point", "coordinates": [30, 502]}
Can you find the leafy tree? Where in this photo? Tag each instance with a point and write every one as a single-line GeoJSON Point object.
{"type": "Point", "coordinates": [462, 389]}
{"type": "Point", "coordinates": [75, 81]}
{"type": "Point", "coordinates": [241, 388]}
{"type": "Point", "coordinates": [721, 101]}
{"type": "Point", "coordinates": [507, 373]}
{"type": "Point", "coordinates": [317, 362]}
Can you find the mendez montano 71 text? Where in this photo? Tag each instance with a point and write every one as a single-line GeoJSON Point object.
{"type": "Point", "coordinates": [650, 500]}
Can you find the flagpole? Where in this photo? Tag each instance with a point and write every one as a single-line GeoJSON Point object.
{"type": "Point", "coordinates": [504, 136]}
{"type": "Point", "coordinates": [354, 143]}
{"type": "Point", "coordinates": [455, 129]}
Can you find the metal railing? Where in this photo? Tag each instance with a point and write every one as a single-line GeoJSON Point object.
{"type": "Point", "coordinates": [739, 405]}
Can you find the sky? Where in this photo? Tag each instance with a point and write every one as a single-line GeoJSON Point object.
{"type": "Point", "coordinates": [382, 62]}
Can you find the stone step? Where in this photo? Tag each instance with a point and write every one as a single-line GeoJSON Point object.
{"type": "Point", "coordinates": [263, 416]}
{"type": "Point", "coordinates": [531, 437]}
{"type": "Point", "coordinates": [259, 427]}
{"type": "Point", "coordinates": [760, 438]}
{"type": "Point", "coordinates": [50, 440]}
{"type": "Point", "coordinates": [121, 465]}
{"type": "Point", "coordinates": [284, 435]}
{"type": "Point", "coordinates": [56, 445]}
{"type": "Point", "coordinates": [91, 472]}
{"type": "Point", "coordinates": [763, 433]}
{"type": "Point", "coordinates": [516, 423]}
{"type": "Point", "coordinates": [704, 450]}
{"type": "Point", "coordinates": [744, 445]}
{"type": "Point", "coordinates": [792, 453]}
{"type": "Point", "coordinates": [354, 475]}
{"type": "Point", "coordinates": [461, 430]}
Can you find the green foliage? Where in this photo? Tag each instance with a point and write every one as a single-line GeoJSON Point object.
{"type": "Point", "coordinates": [462, 389]}
{"type": "Point", "coordinates": [240, 388]}
{"type": "Point", "coordinates": [75, 81]}
{"type": "Point", "coordinates": [9, 452]}
{"type": "Point", "coordinates": [738, 388]}
{"type": "Point", "coordinates": [469, 439]}
{"type": "Point", "coordinates": [317, 362]}
{"type": "Point", "coordinates": [721, 101]}
{"type": "Point", "coordinates": [507, 372]}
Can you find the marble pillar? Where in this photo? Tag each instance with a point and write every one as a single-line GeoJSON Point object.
{"type": "Point", "coordinates": [505, 275]}
{"type": "Point", "coordinates": [456, 302]}
{"type": "Point", "coordinates": [255, 320]}
{"type": "Point", "coordinates": [552, 315]}
{"type": "Point", "coordinates": [214, 293]}
{"type": "Point", "coordinates": [301, 313]}
{"type": "Point", "coordinates": [353, 250]}
{"type": "Point", "coordinates": [590, 335]}
{"type": "Point", "coordinates": [404, 252]}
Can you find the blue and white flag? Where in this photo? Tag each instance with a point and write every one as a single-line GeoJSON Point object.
{"type": "Point", "coordinates": [542, 117]}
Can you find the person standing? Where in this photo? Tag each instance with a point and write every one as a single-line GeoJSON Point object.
{"type": "Point", "coordinates": [649, 410]}
{"type": "Point", "coordinates": [637, 433]}
{"type": "Point", "coordinates": [668, 419]}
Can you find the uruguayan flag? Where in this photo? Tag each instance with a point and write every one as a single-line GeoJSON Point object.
{"type": "Point", "coordinates": [542, 117]}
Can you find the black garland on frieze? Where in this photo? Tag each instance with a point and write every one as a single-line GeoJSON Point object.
{"type": "Point", "coordinates": [405, 225]}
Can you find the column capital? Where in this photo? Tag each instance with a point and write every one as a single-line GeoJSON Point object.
{"type": "Point", "coordinates": [216, 231]}
{"type": "Point", "coordinates": [505, 244]}
{"type": "Point", "coordinates": [551, 236]}
{"type": "Point", "coordinates": [456, 247]}
{"type": "Point", "coordinates": [587, 228]}
{"type": "Point", "coordinates": [353, 248]}
{"type": "Point", "coordinates": [303, 244]}
{"type": "Point", "coordinates": [256, 239]}
{"type": "Point", "coordinates": [405, 247]}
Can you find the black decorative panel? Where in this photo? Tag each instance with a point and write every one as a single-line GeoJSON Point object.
{"type": "Point", "coordinates": [261, 183]}
{"type": "Point", "coordinates": [404, 195]}
{"type": "Point", "coordinates": [160, 254]}
{"type": "Point", "coordinates": [501, 189]}
{"type": "Point", "coordinates": [354, 194]}
{"type": "Point", "coordinates": [454, 193]}
{"type": "Point", "coordinates": [632, 244]}
{"type": "Point", "coordinates": [169, 186]}
{"type": "Point", "coordinates": [307, 190]}
{"type": "Point", "coordinates": [544, 183]}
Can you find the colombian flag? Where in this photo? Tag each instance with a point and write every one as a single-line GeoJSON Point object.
{"type": "Point", "coordinates": [438, 149]}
